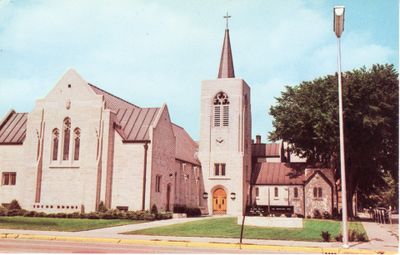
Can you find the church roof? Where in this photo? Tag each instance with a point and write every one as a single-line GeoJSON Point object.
{"type": "Point", "coordinates": [133, 122]}
{"type": "Point", "coordinates": [13, 128]}
{"type": "Point", "coordinates": [185, 147]}
{"type": "Point", "coordinates": [277, 173]}
{"type": "Point", "coordinates": [266, 150]}
{"type": "Point", "coordinates": [226, 64]}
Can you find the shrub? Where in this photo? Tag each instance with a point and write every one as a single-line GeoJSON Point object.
{"type": "Point", "coordinates": [339, 237]}
{"type": "Point", "coordinates": [361, 237]}
{"type": "Point", "coordinates": [40, 214]}
{"type": "Point", "coordinates": [61, 215]}
{"type": "Point", "coordinates": [278, 214]}
{"type": "Point", "coordinates": [193, 212]}
{"type": "Point", "coordinates": [335, 213]}
{"type": "Point", "coordinates": [149, 217]}
{"type": "Point", "coordinates": [14, 205]}
{"type": "Point", "coordinates": [14, 212]}
{"type": "Point", "coordinates": [30, 214]}
{"type": "Point", "coordinates": [93, 215]}
{"type": "Point", "coordinates": [354, 236]}
{"type": "Point", "coordinates": [131, 215]}
{"type": "Point", "coordinates": [179, 208]}
{"type": "Point", "coordinates": [74, 215]}
{"type": "Point", "coordinates": [154, 209]}
{"type": "Point", "coordinates": [317, 214]}
{"type": "Point", "coordinates": [326, 236]}
{"type": "Point", "coordinates": [165, 216]}
{"type": "Point", "coordinates": [101, 207]}
{"type": "Point", "coordinates": [288, 215]}
{"type": "Point", "coordinates": [308, 217]}
{"type": "Point", "coordinates": [326, 215]}
{"type": "Point", "coordinates": [299, 215]}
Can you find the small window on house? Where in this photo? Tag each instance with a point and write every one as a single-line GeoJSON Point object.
{"type": "Point", "coordinates": [8, 178]}
{"type": "Point", "coordinates": [77, 142]}
{"type": "Point", "coordinates": [257, 192]}
{"type": "Point", "coordinates": [320, 192]}
{"type": "Point", "coordinates": [158, 183]}
{"type": "Point", "coordinates": [315, 192]}
{"type": "Point", "coordinates": [219, 169]}
{"type": "Point", "coordinates": [296, 192]}
{"type": "Point", "coordinates": [276, 193]}
{"type": "Point", "coordinates": [56, 135]}
{"type": "Point", "coordinates": [67, 134]}
{"type": "Point", "coordinates": [221, 100]}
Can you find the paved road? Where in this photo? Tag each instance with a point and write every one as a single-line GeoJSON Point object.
{"type": "Point", "coordinates": [38, 246]}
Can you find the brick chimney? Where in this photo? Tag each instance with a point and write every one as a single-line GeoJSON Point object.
{"type": "Point", "coordinates": [258, 139]}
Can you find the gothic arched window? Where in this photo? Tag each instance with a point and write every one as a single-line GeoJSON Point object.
{"type": "Point", "coordinates": [67, 135]}
{"type": "Point", "coordinates": [221, 104]}
{"type": "Point", "coordinates": [55, 138]}
{"type": "Point", "coordinates": [77, 143]}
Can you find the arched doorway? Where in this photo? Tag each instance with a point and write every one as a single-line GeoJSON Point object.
{"type": "Point", "coordinates": [219, 201]}
{"type": "Point", "coordinates": [168, 197]}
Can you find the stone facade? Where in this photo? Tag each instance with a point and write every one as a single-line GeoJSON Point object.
{"type": "Point", "coordinates": [110, 167]}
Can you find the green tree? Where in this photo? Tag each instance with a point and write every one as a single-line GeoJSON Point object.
{"type": "Point", "coordinates": [306, 116]}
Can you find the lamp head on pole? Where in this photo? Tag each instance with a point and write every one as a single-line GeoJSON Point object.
{"type": "Point", "coordinates": [338, 20]}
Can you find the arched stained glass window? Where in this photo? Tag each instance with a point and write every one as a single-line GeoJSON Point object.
{"type": "Point", "coordinates": [56, 134]}
{"type": "Point", "coordinates": [67, 137]}
{"type": "Point", "coordinates": [77, 143]}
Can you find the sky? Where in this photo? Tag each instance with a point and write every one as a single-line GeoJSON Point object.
{"type": "Point", "coordinates": [155, 52]}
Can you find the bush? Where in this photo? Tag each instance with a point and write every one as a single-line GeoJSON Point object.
{"type": "Point", "coordinates": [101, 207]}
{"type": "Point", "coordinates": [74, 215]}
{"type": "Point", "coordinates": [326, 236]}
{"type": "Point", "coordinates": [335, 213]}
{"type": "Point", "coordinates": [154, 209]}
{"type": "Point", "coordinates": [149, 217]}
{"type": "Point", "coordinates": [30, 214]}
{"type": "Point", "coordinates": [354, 236]}
{"type": "Point", "coordinates": [339, 237]}
{"type": "Point", "coordinates": [14, 205]}
{"type": "Point", "coordinates": [193, 212]}
{"type": "Point", "coordinates": [60, 215]}
{"type": "Point", "coordinates": [179, 208]}
{"type": "Point", "coordinates": [15, 212]}
{"type": "Point", "coordinates": [289, 215]}
{"type": "Point", "coordinates": [93, 215]}
{"type": "Point", "coordinates": [317, 214]}
{"type": "Point", "coordinates": [326, 215]}
{"type": "Point", "coordinates": [299, 215]}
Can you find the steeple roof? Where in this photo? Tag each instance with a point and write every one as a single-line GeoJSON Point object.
{"type": "Point", "coordinates": [226, 65]}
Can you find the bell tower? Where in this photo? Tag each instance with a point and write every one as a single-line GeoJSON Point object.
{"type": "Point", "coordinates": [225, 137]}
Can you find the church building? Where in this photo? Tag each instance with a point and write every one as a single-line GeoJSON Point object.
{"type": "Point", "coordinates": [81, 146]}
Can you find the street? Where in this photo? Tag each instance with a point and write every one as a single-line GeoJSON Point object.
{"type": "Point", "coordinates": [39, 246]}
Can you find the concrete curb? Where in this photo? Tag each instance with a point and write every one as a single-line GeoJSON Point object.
{"type": "Point", "coordinates": [276, 248]}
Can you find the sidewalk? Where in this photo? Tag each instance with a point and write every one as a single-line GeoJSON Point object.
{"type": "Point", "coordinates": [382, 240]}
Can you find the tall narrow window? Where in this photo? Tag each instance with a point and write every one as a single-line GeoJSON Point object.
{"type": "Point", "coordinates": [257, 192]}
{"type": "Point", "coordinates": [320, 192]}
{"type": "Point", "coordinates": [296, 192]}
{"type": "Point", "coordinates": [225, 120]}
{"type": "Point", "coordinates": [67, 134]}
{"type": "Point", "coordinates": [9, 178]}
{"type": "Point", "coordinates": [219, 169]}
{"type": "Point", "coordinates": [217, 116]}
{"type": "Point", "coordinates": [216, 169]}
{"type": "Point", "coordinates": [276, 192]}
{"type": "Point", "coordinates": [56, 138]}
{"type": "Point", "coordinates": [221, 99]}
{"type": "Point", "coordinates": [158, 183]}
{"type": "Point", "coordinates": [77, 142]}
{"type": "Point", "coordinates": [315, 191]}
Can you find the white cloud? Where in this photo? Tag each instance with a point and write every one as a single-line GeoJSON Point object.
{"type": "Point", "coordinates": [151, 52]}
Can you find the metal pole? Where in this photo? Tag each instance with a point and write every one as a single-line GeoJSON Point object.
{"type": "Point", "coordinates": [342, 157]}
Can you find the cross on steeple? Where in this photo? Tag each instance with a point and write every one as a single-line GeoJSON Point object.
{"type": "Point", "coordinates": [227, 17]}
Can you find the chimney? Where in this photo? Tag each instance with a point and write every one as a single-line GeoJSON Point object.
{"type": "Point", "coordinates": [258, 139]}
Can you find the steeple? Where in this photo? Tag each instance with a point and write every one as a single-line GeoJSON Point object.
{"type": "Point", "coordinates": [226, 65]}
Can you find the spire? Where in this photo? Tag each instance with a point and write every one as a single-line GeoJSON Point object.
{"type": "Point", "coordinates": [226, 64]}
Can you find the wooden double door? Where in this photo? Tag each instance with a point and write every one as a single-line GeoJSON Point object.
{"type": "Point", "coordinates": [219, 201]}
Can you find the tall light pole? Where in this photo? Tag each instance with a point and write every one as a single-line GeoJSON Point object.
{"type": "Point", "coordinates": [338, 27]}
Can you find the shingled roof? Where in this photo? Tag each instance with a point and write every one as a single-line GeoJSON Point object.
{"type": "Point", "coordinates": [277, 173]}
{"type": "Point", "coordinates": [185, 148]}
{"type": "Point", "coordinates": [13, 128]}
{"type": "Point", "coordinates": [133, 121]}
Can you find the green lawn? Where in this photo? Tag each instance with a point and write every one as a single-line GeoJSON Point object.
{"type": "Point", "coordinates": [59, 224]}
{"type": "Point", "coordinates": [227, 227]}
